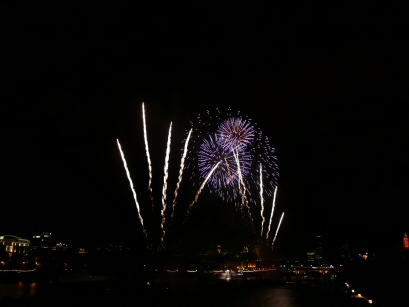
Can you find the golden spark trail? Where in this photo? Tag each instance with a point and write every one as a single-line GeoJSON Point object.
{"type": "Point", "coordinates": [261, 199]}
{"type": "Point", "coordinates": [243, 192]}
{"type": "Point", "coordinates": [230, 176]}
{"type": "Point", "coordinates": [165, 180]}
{"type": "Point", "coordinates": [202, 187]}
{"type": "Point", "coordinates": [147, 153]}
{"type": "Point", "coordinates": [278, 227]}
{"type": "Point", "coordinates": [132, 188]}
{"type": "Point", "coordinates": [228, 171]}
{"type": "Point", "coordinates": [182, 165]}
{"type": "Point", "coordinates": [272, 211]}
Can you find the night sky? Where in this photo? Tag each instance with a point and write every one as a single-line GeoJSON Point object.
{"type": "Point", "coordinates": [328, 84]}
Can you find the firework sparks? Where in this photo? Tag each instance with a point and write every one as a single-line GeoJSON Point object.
{"type": "Point", "coordinates": [182, 165]}
{"type": "Point", "coordinates": [165, 184]}
{"type": "Point", "coordinates": [147, 153]}
{"type": "Point", "coordinates": [261, 199]}
{"type": "Point", "coordinates": [210, 153]}
{"type": "Point", "coordinates": [243, 186]}
{"type": "Point", "coordinates": [235, 133]}
{"type": "Point", "coordinates": [218, 136]}
{"type": "Point", "coordinates": [132, 188]}
{"type": "Point", "coordinates": [272, 211]}
{"type": "Point", "coordinates": [278, 227]}
{"type": "Point", "coordinates": [202, 187]}
{"type": "Point", "coordinates": [226, 176]}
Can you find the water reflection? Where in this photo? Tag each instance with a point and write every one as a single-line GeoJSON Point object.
{"type": "Point", "coordinates": [289, 292]}
{"type": "Point", "coordinates": [18, 289]}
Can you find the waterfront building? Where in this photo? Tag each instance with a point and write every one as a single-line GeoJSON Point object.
{"type": "Point", "coordinates": [315, 256]}
{"type": "Point", "coordinates": [311, 256]}
{"type": "Point", "coordinates": [15, 246]}
{"type": "Point", "coordinates": [318, 249]}
{"type": "Point", "coordinates": [43, 240]}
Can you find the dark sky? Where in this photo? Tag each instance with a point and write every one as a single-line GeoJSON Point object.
{"type": "Point", "coordinates": [326, 83]}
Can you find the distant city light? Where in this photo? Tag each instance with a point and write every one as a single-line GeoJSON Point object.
{"type": "Point", "coordinates": [405, 241]}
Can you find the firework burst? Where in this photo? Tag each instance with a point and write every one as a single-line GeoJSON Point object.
{"type": "Point", "coordinates": [229, 157]}
{"type": "Point", "coordinates": [226, 176]}
{"type": "Point", "coordinates": [235, 133]}
{"type": "Point", "coordinates": [219, 136]}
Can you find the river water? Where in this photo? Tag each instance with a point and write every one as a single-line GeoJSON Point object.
{"type": "Point", "coordinates": [100, 290]}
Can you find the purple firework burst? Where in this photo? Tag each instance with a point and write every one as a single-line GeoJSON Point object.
{"type": "Point", "coordinates": [217, 136]}
{"type": "Point", "coordinates": [226, 175]}
{"type": "Point", "coordinates": [235, 133]}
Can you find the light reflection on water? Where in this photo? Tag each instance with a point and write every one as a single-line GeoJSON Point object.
{"type": "Point", "coordinates": [182, 293]}
{"type": "Point", "coordinates": [18, 289]}
{"type": "Point", "coordinates": [271, 297]}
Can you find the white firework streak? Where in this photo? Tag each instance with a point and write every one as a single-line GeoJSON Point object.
{"type": "Point", "coordinates": [202, 187]}
{"type": "Point", "coordinates": [132, 188]}
{"type": "Point", "coordinates": [147, 153]}
{"type": "Point", "coordinates": [261, 199]}
{"type": "Point", "coordinates": [272, 211]}
{"type": "Point", "coordinates": [278, 227]}
{"type": "Point", "coordinates": [182, 165]}
{"type": "Point", "coordinates": [230, 175]}
{"type": "Point", "coordinates": [243, 191]}
{"type": "Point", "coordinates": [165, 180]}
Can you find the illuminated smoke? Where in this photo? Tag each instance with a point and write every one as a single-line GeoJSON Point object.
{"type": "Point", "coordinates": [261, 199]}
{"type": "Point", "coordinates": [147, 153]}
{"type": "Point", "coordinates": [165, 181]}
{"type": "Point", "coordinates": [182, 165]}
{"type": "Point", "coordinates": [132, 188]}
{"type": "Point", "coordinates": [272, 211]}
{"type": "Point", "coordinates": [278, 227]}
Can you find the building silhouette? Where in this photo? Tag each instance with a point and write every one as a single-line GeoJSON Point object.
{"type": "Point", "coordinates": [316, 256]}
{"type": "Point", "coordinates": [318, 249]}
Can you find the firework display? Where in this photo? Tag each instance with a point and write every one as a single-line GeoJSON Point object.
{"type": "Point", "coordinates": [219, 139]}
{"type": "Point", "coordinates": [224, 154]}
